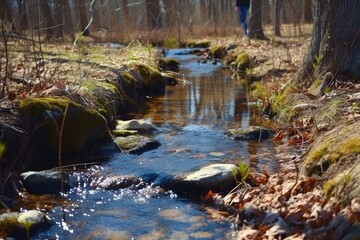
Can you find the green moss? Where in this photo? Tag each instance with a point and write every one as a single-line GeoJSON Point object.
{"type": "Point", "coordinates": [169, 64]}
{"type": "Point", "coordinates": [93, 84]}
{"type": "Point", "coordinates": [330, 151]}
{"type": "Point", "coordinates": [318, 153]}
{"type": "Point", "coordinates": [350, 146]}
{"type": "Point", "coordinates": [258, 91]}
{"type": "Point", "coordinates": [242, 62]}
{"type": "Point", "coordinates": [329, 186]}
{"type": "Point", "coordinates": [171, 42]}
{"type": "Point", "coordinates": [128, 80]}
{"type": "Point", "coordinates": [281, 102]}
{"type": "Point", "coordinates": [204, 43]}
{"type": "Point", "coordinates": [315, 85]}
{"type": "Point", "coordinates": [217, 52]}
{"type": "Point", "coordinates": [43, 118]}
{"type": "Point", "coordinates": [123, 133]}
{"type": "Point", "coordinates": [337, 184]}
{"type": "Point", "coordinates": [153, 82]}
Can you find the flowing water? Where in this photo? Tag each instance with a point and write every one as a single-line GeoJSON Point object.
{"type": "Point", "coordinates": [190, 119]}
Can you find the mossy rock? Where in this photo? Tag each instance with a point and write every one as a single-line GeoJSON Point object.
{"type": "Point", "coordinates": [170, 64]}
{"type": "Point", "coordinates": [242, 62]}
{"type": "Point", "coordinates": [105, 96]}
{"type": "Point", "coordinates": [204, 43]}
{"type": "Point", "coordinates": [137, 144]}
{"type": "Point", "coordinates": [328, 149]}
{"type": "Point", "coordinates": [249, 133]}
{"type": "Point", "coordinates": [237, 59]}
{"type": "Point", "coordinates": [123, 133]}
{"type": "Point", "coordinates": [152, 83]}
{"type": "Point", "coordinates": [43, 117]}
{"type": "Point", "coordinates": [217, 52]}
{"type": "Point", "coordinates": [21, 225]}
{"type": "Point", "coordinates": [170, 78]}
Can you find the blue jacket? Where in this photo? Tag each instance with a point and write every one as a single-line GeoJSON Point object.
{"type": "Point", "coordinates": [242, 2]}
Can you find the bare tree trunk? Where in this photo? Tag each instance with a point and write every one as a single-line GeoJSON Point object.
{"type": "Point", "coordinates": [153, 14]}
{"type": "Point", "coordinates": [7, 14]}
{"type": "Point", "coordinates": [127, 19]}
{"type": "Point", "coordinates": [276, 17]}
{"type": "Point", "coordinates": [266, 11]}
{"type": "Point", "coordinates": [170, 14]}
{"type": "Point", "coordinates": [255, 20]}
{"type": "Point", "coordinates": [23, 22]}
{"type": "Point", "coordinates": [203, 10]}
{"type": "Point", "coordinates": [49, 22]}
{"type": "Point", "coordinates": [68, 27]}
{"type": "Point", "coordinates": [84, 21]}
{"type": "Point", "coordinates": [335, 43]}
{"type": "Point", "coordinates": [307, 11]}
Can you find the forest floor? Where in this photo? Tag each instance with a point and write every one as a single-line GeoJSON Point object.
{"type": "Point", "coordinates": [315, 193]}
{"type": "Point", "coordinates": [292, 204]}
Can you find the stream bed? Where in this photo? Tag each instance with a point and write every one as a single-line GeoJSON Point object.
{"type": "Point", "coordinates": [190, 121]}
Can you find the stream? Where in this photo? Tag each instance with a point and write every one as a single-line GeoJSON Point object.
{"type": "Point", "coordinates": [190, 120]}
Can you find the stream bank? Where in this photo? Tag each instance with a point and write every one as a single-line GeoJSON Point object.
{"type": "Point", "coordinates": [282, 199]}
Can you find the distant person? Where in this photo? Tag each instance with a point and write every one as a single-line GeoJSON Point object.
{"type": "Point", "coordinates": [242, 7]}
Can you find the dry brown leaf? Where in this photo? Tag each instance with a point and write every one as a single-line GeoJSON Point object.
{"type": "Point", "coordinates": [247, 233]}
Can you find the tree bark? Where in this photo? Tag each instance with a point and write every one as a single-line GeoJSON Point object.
{"type": "Point", "coordinates": [307, 11]}
{"type": "Point", "coordinates": [23, 22]}
{"type": "Point", "coordinates": [49, 22]}
{"type": "Point", "coordinates": [84, 21]}
{"type": "Point", "coordinates": [68, 27]}
{"type": "Point", "coordinates": [335, 42]}
{"type": "Point", "coordinates": [276, 17]}
{"type": "Point", "coordinates": [6, 13]}
{"type": "Point", "coordinates": [255, 21]}
{"type": "Point", "coordinates": [153, 14]}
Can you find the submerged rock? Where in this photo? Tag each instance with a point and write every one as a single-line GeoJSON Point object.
{"type": "Point", "coordinates": [140, 125]}
{"type": "Point", "coordinates": [215, 177]}
{"type": "Point", "coordinates": [137, 144]}
{"type": "Point", "coordinates": [45, 182]}
{"type": "Point", "coordinates": [250, 133]}
{"type": "Point", "coordinates": [21, 225]}
{"type": "Point", "coordinates": [120, 182]}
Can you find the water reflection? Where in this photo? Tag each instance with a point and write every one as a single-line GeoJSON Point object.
{"type": "Point", "coordinates": [213, 97]}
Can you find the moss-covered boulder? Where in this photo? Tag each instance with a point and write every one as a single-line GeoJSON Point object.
{"type": "Point", "coordinates": [105, 96]}
{"type": "Point", "coordinates": [150, 81]}
{"type": "Point", "coordinates": [137, 144]}
{"type": "Point", "coordinates": [203, 43]}
{"type": "Point", "coordinates": [249, 133]}
{"type": "Point", "coordinates": [217, 52]}
{"type": "Point", "coordinates": [170, 64]}
{"type": "Point", "coordinates": [238, 59]}
{"type": "Point", "coordinates": [82, 130]}
{"type": "Point", "coordinates": [171, 78]}
{"type": "Point", "coordinates": [332, 147]}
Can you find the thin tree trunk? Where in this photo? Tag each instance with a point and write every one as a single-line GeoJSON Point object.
{"type": "Point", "coordinates": [153, 14]}
{"type": "Point", "coordinates": [307, 11]}
{"type": "Point", "coordinates": [255, 20]}
{"type": "Point", "coordinates": [84, 21]}
{"type": "Point", "coordinates": [276, 19]}
{"type": "Point", "coordinates": [23, 22]}
{"type": "Point", "coordinates": [49, 22]}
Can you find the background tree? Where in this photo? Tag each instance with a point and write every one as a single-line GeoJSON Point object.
{"type": "Point", "coordinates": [83, 17]}
{"type": "Point", "coordinates": [335, 42]}
{"type": "Point", "coordinates": [307, 11]}
{"type": "Point", "coordinates": [255, 20]}
{"type": "Point", "coordinates": [277, 4]}
{"type": "Point", "coordinates": [153, 14]}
